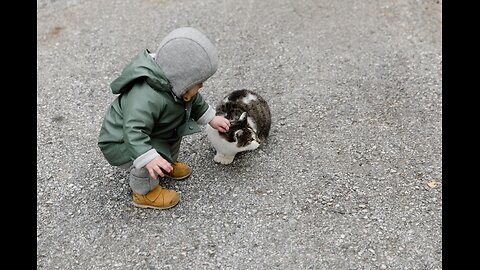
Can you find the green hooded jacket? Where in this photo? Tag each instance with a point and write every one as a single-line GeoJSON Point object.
{"type": "Point", "coordinates": [146, 115]}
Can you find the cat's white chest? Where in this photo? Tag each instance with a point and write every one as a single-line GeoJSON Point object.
{"type": "Point", "coordinates": [226, 150]}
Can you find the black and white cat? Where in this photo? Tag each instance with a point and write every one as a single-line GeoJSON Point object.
{"type": "Point", "coordinates": [250, 121]}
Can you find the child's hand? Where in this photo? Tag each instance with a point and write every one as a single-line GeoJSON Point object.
{"type": "Point", "coordinates": [220, 123]}
{"type": "Point", "coordinates": [155, 167]}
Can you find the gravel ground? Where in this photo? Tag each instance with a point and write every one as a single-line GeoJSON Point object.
{"type": "Point", "coordinates": [350, 177]}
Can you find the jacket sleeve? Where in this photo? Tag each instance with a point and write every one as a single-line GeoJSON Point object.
{"type": "Point", "coordinates": [202, 112]}
{"type": "Point", "coordinates": [142, 105]}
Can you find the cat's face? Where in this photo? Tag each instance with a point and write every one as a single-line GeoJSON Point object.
{"type": "Point", "coordinates": [245, 137]}
{"type": "Point", "coordinates": [242, 133]}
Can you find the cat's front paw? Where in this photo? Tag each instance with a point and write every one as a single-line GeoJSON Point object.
{"type": "Point", "coordinates": [223, 159]}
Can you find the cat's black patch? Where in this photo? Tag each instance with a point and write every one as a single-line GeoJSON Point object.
{"type": "Point", "coordinates": [238, 94]}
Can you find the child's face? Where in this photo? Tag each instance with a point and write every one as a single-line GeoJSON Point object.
{"type": "Point", "coordinates": [192, 92]}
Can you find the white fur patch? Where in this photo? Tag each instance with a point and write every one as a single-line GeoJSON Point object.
{"type": "Point", "coordinates": [226, 150]}
{"type": "Point", "coordinates": [223, 159]}
{"type": "Point", "coordinates": [249, 98]}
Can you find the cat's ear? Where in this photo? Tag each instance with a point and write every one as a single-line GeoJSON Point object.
{"type": "Point", "coordinates": [243, 117]}
{"type": "Point", "coordinates": [238, 133]}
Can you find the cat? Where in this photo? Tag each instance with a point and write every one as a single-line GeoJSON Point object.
{"type": "Point", "coordinates": [250, 122]}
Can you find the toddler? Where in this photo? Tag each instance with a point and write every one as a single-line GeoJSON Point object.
{"type": "Point", "coordinates": [157, 104]}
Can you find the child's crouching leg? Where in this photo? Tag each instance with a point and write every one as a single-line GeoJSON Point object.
{"type": "Point", "coordinates": [140, 181]}
{"type": "Point", "coordinates": [147, 193]}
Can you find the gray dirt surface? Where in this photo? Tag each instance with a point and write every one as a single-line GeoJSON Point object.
{"type": "Point", "coordinates": [350, 177]}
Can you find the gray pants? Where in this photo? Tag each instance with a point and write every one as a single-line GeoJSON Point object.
{"type": "Point", "coordinates": [139, 179]}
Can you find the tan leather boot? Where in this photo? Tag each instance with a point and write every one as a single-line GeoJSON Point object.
{"type": "Point", "coordinates": [157, 198]}
{"type": "Point", "coordinates": [180, 171]}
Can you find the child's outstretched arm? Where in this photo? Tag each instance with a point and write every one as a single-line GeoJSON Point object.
{"type": "Point", "coordinates": [220, 123]}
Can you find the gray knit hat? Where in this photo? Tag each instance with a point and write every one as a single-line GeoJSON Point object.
{"type": "Point", "coordinates": [187, 57]}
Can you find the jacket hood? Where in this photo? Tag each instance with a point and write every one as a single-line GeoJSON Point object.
{"type": "Point", "coordinates": [143, 65]}
{"type": "Point", "coordinates": [187, 57]}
